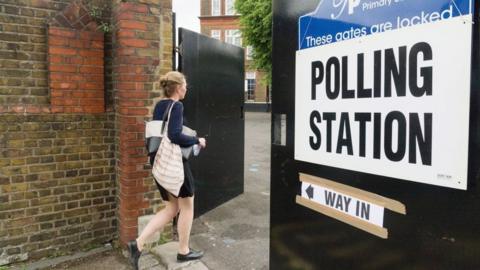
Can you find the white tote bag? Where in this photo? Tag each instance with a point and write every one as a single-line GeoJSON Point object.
{"type": "Point", "coordinates": [168, 166]}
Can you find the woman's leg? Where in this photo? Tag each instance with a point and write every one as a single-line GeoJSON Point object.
{"type": "Point", "coordinates": [158, 221]}
{"type": "Point", "coordinates": [184, 223]}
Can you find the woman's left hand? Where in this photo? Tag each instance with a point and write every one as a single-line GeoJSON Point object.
{"type": "Point", "coordinates": [202, 142]}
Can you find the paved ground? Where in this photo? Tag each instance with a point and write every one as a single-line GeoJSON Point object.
{"type": "Point", "coordinates": [234, 236]}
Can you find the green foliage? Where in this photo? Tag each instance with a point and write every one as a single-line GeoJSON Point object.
{"type": "Point", "coordinates": [256, 25]}
{"type": "Point", "coordinates": [98, 10]}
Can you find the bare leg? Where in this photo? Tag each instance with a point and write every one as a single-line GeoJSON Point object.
{"type": "Point", "coordinates": [184, 225]}
{"type": "Point", "coordinates": [158, 221]}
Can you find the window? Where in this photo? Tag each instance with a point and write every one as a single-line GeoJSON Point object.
{"type": "Point", "coordinates": [250, 84]}
{"type": "Point", "coordinates": [230, 7]}
{"type": "Point", "coordinates": [249, 53]}
{"type": "Point", "coordinates": [233, 37]}
{"type": "Point", "coordinates": [216, 34]}
{"type": "Point", "coordinates": [215, 7]}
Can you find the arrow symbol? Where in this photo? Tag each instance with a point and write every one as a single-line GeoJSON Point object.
{"type": "Point", "coordinates": [309, 191]}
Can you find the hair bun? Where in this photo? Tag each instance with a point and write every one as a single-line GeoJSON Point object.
{"type": "Point", "coordinates": [163, 81]}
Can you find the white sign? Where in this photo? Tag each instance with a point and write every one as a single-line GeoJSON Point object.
{"type": "Point", "coordinates": [343, 203]}
{"type": "Point", "coordinates": [394, 103]}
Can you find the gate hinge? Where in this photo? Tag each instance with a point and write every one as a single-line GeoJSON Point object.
{"type": "Point", "coordinates": [178, 49]}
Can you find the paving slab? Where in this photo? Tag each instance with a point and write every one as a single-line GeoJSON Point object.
{"type": "Point", "coordinates": [167, 254]}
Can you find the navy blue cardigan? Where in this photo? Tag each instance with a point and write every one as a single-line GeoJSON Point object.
{"type": "Point", "coordinates": [175, 125]}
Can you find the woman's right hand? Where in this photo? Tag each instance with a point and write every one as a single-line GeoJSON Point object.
{"type": "Point", "coordinates": [202, 142]}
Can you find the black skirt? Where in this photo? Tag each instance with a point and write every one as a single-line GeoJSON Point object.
{"type": "Point", "coordinates": [188, 187]}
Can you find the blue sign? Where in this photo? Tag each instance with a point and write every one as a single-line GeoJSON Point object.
{"type": "Point", "coordinates": [338, 20]}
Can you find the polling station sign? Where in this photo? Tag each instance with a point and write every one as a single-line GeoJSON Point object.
{"type": "Point", "coordinates": [383, 87]}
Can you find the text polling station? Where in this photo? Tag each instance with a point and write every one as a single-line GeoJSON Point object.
{"type": "Point", "coordinates": [383, 87]}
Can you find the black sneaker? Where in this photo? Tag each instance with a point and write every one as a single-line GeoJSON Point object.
{"type": "Point", "coordinates": [192, 255]}
{"type": "Point", "coordinates": [134, 253]}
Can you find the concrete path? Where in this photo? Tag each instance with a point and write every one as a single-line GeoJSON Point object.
{"type": "Point", "coordinates": [235, 236]}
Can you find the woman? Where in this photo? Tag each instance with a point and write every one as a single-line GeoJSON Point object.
{"type": "Point", "coordinates": [175, 87]}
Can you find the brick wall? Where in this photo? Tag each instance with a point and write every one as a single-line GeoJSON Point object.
{"type": "Point", "coordinates": [23, 54]}
{"type": "Point", "coordinates": [75, 61]}
{"type": "Point", "coordinates": [65, 179]}
{"type": "Point", "coordinates": [57, 184]}
{"type": "Point", "coordinates": [57, 180]}
{"type": "Point", "coordinates": [76, 70]}
{"type": "Point", "coordinates": [142, 50]}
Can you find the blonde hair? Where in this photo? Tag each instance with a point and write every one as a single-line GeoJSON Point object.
{"type": "Point", "coordinates": [170, 81]}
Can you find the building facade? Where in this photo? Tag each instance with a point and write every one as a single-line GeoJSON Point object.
{"type": "Point", "coordinates": [219, 19]}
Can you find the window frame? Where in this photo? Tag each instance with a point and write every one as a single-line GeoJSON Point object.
{"type": "Point", "coordinates": [216, 10]}
{"type": "Point", "coordinates": [235, 35]}
{"type": "Point", "coordinates": [232, 7]}
{"type": "Point", "coordinates": [219, 37]}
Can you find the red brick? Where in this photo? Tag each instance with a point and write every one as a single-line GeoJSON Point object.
{"type": "Point", "coordinates": [57, 109]}
{"type": "Point", "coordinates": [132, 103]}
{"type": "Point", "coordinates": [134, 111]}
{"type": "Point", "coordinates": [124, 33]}
{"type": "Point", "coordinates": [62, 32]}
{"type": "Point", "coordinates": [91, 102]}
{"type": "Point", "coordinates": [132, 60]}
{"type": "Point", "coordinates": [55, 59]}
{"type": "Point", "coordinates": [137, 95]}
{"type": "Point", "coordinates": [77, 109]}
{"type": "Point", "coordinates": [18, 108]}
{"type": "Point", "coordinates": [37, 109]}
{"type": "Point", "coordinates": [87, 35]}
{"type": "Point", "coordinates": [95, 109]}
{"type": "Point", "coordinates": [56, 94]}
{"type": "Point", "coordinates": [63, 68]}
{"type": "Point", "coordinates": [58, 76]}
{"type": "Point", "coordinates": [90, 69]}
{"type": "Point", "coordinates": [97, 44]}
{"type": "Point", "coordinates": [139, 8]}
{"type": "Point", "coordinates": [131, 204]}
{"type": "Point", "coordinates": [91, 85]}
{"type": "Point", "coordinates": [57, 41]}
{"type": "Point", "coordinates": [135, 78]}
{"type": "Point", "coordinates": [128, 24]}
{"type": "Point", "coordinates": [91, 53]}
{"type": "Point", "coordinates": [125, 15]}
{"type": "Point", "coordinates": [94, 61]}
{"type": "Point", "coordinates": [93, 94]}
{"type": "Point", "coordinates": [62, 51]}
{"type": "Point", "coordinates": [74, 60]}
{"type": "Point", "coordinates": [126, 231]}
{"type": "Point", "coordinates": [127, 136]}
{"type": "Point", "coordinates": [78, 94]}
{"type": "Point", "coordinates": [125, 51]}
{"type": "Point", "coordinates": [125, 85]}
{"type": "Point", "coordinates": [131, 42]}
{"type": "Point", "coordinates": [64, 85]}
{"type": "Point", "coordinates": [78, 43]}
{"type": "Point", "coordinates": [139, 175]}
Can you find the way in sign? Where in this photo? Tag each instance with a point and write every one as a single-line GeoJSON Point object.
{"type": "Point", "coordinates": [342, 203]}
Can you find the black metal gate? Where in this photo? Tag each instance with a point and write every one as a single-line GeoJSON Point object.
{"type": "Point", "coordinates": [214, 106]}
{"type": "Point", "coordinates": [441, 227]}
